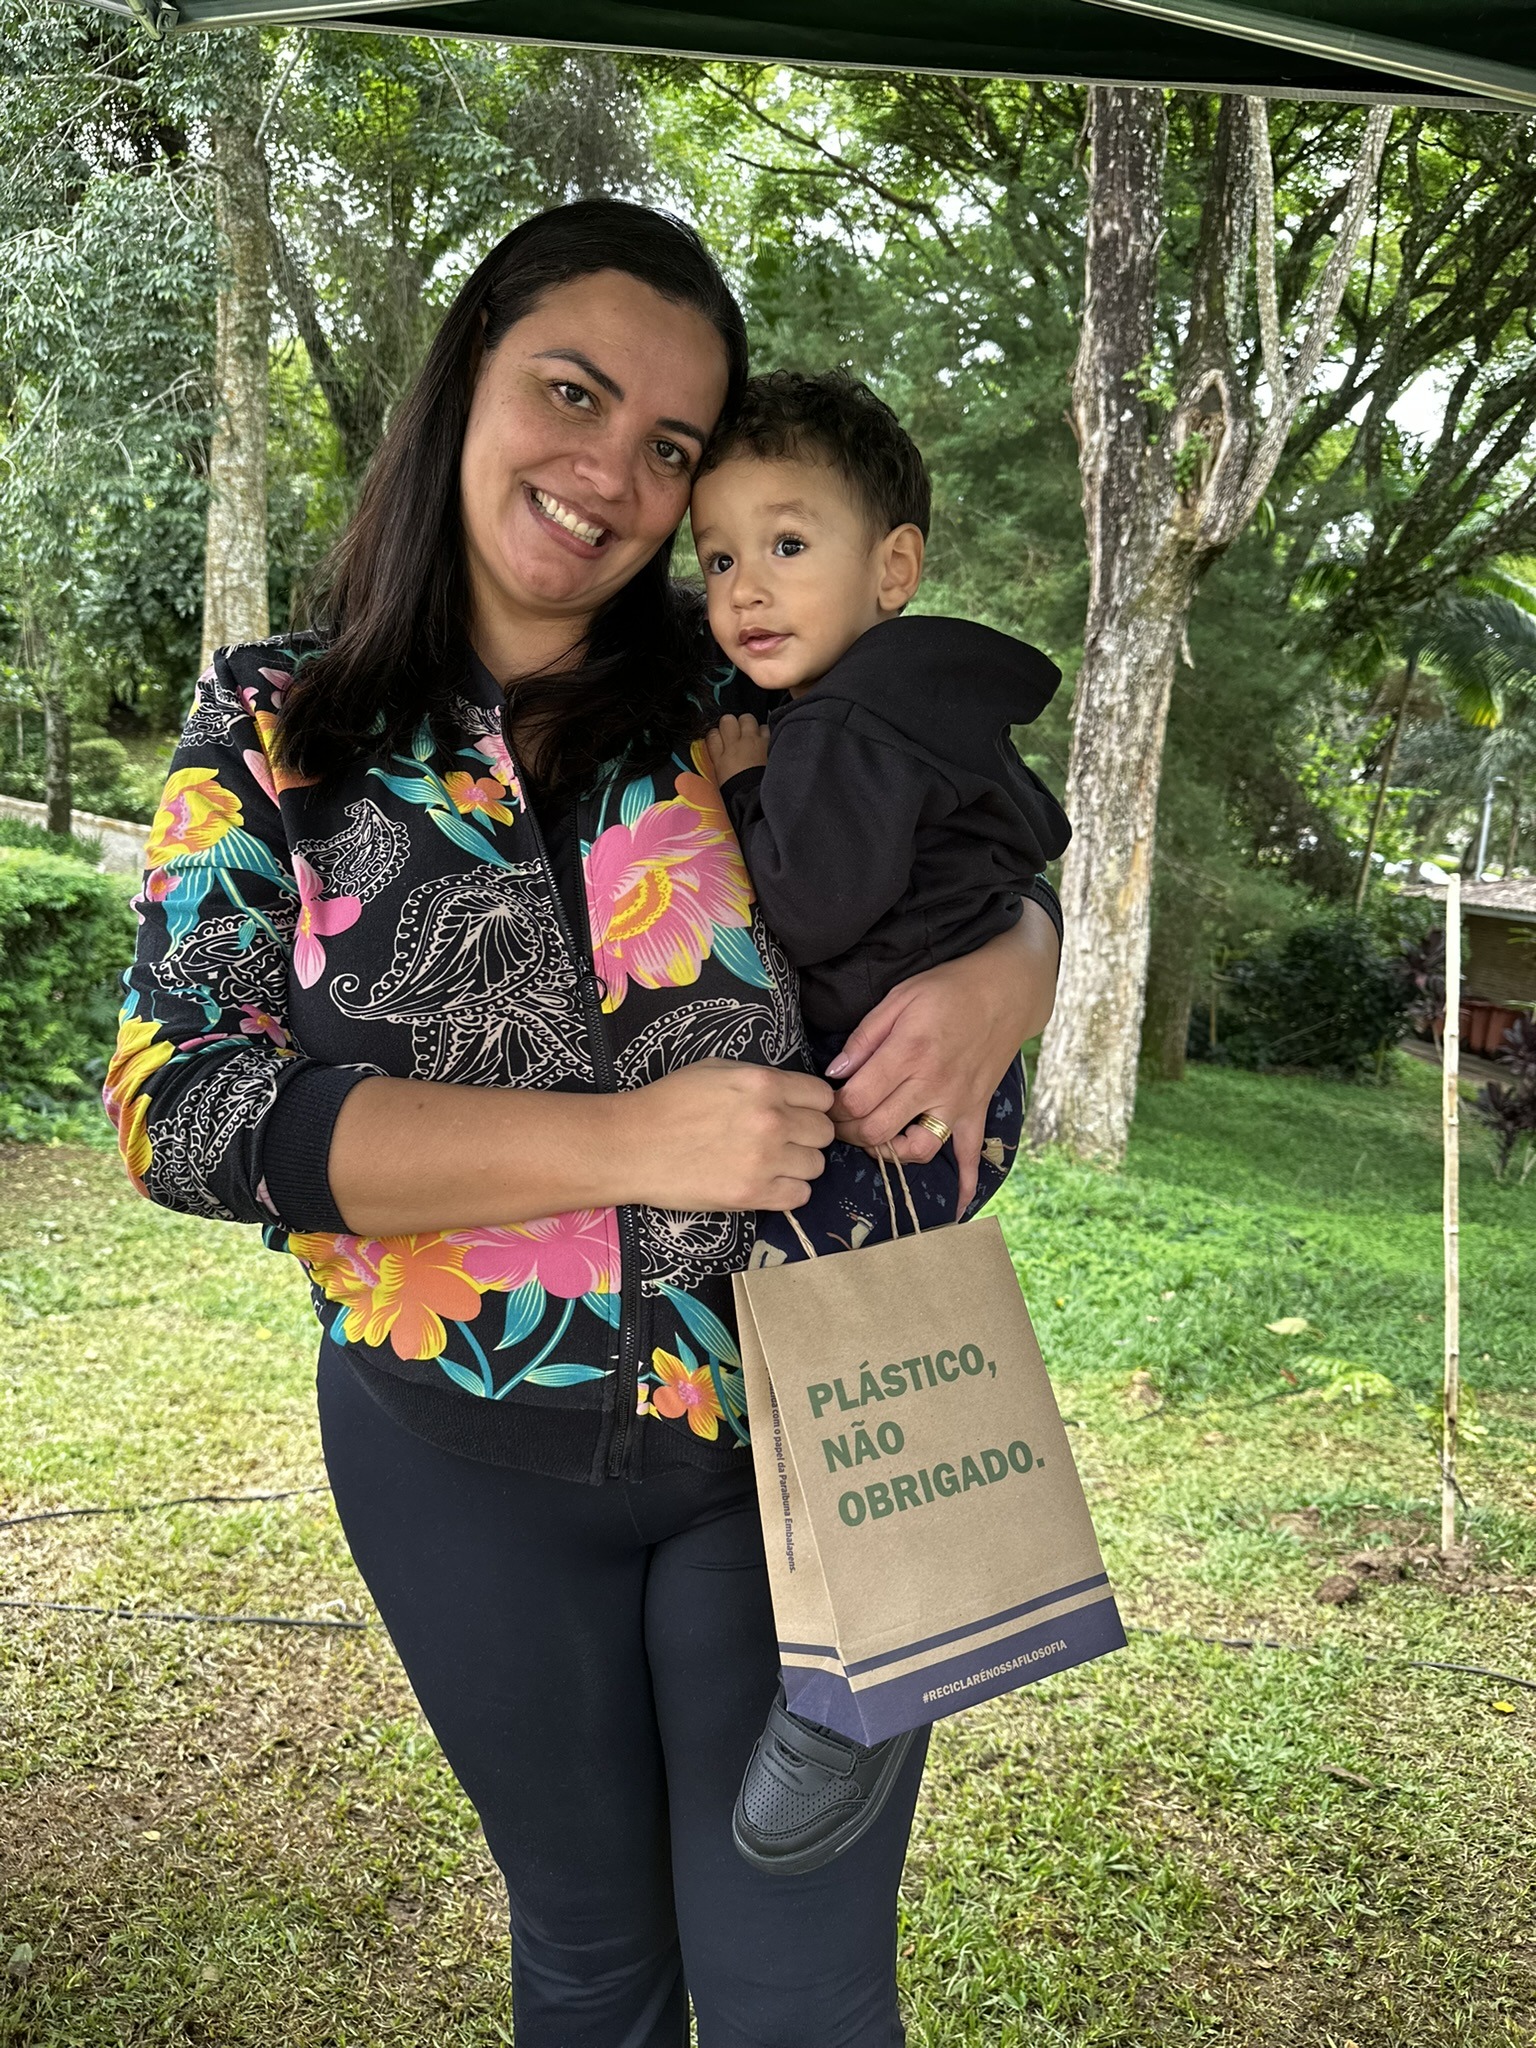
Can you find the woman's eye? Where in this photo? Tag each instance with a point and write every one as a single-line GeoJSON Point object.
{"type": "Point", "coordinates": [673, 456]}
{"type": "Point", "coordinates": [574, 394]}
{"type": "Point", "coordinates": [789, 544]}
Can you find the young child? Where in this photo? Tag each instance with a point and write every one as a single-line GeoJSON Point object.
{"type": "Point", "coordinates": [888, 825]}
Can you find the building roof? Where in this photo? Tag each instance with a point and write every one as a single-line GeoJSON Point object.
{"type": "Point", "coordinates": [1513, 899]}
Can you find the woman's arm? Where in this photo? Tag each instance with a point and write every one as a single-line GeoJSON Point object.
{"type": "Point", "coordinates": [942, 1041]}
{"type": "Point", "coordinates": [432, 1155]}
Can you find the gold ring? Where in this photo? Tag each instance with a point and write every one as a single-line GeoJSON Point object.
{"type": "Point", "coordinates": [937, 1125]}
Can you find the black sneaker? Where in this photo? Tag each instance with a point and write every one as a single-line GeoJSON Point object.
{"type": "Point", "coordinates": [809, 1794]}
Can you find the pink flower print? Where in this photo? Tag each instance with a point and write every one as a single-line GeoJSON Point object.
{"type": "Point", "coordinates": [499, 754]}
{"type": "Point", "coordinates": [483, 794]}
{"type": "Point", "coordinates": [320, 917]}
{"type": "Point", "coordinates": [281, 680]}
{"type": "Point", "coordinates": [259, 1023]}
{"type": "Point", "coordinates": [569, 1255]}
{"type": "Point", "coordinates": [261, 774]}
{"type": "Point", "coordinates": [658, 890]}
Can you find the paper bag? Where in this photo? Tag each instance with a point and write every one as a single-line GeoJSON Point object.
{"type": "Point", "coordinates": [928, 1541]}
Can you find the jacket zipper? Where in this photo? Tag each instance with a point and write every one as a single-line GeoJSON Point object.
{"type": "Point", "coordinates": [607, 1079]}
{"type": "Point", "coordinates": [629, 1234]}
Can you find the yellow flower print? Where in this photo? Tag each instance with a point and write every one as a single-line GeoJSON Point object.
{"type": "Point", "coordinates": [268, 767]}
{"type": "Point", "coordinates": [394, 1288]}
{"type": "Point", "coordinates": [686, 1391]}
{"type": "Point", "coordinates": [139, 1052]}
{"type": "Point", "coordinates": [194, 814]}
{"type": "Point", "coordinates": [483, 794]}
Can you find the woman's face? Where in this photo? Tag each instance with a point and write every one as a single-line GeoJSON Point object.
{"type": "Point", "coordinates": [586, 424]}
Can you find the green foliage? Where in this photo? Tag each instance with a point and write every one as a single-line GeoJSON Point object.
{"type": "Point", "coordinates": [66, 934]}
{"type": "Point", "coordinates": [16, 833]}
{"type": "Point", "coordinates": [1328, 997]}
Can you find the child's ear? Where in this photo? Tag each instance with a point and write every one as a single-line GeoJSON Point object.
{"type": "Point", "coordinates": [901, 568]}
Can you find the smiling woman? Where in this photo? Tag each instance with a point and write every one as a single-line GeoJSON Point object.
{"type": "Point", "coordinates": [450, 975]}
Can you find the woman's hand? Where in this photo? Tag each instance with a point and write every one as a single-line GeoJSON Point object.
{"type": "Point", "coordinates": [941, 1042]}
{"type": "Point", "coordinates": [719, 1135]}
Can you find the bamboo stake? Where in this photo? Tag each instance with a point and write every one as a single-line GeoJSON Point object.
{"type": "Point", "coordinates": [1450, 1125]}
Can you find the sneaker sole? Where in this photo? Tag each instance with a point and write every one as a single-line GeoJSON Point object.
{"type": "Point", "coordinates": [794, 1862]}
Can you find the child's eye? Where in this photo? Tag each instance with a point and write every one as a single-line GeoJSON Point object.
{"type": "Point", "coordinates": [789, 544]}
{"type": "Point", "coordinates": [717, 565]}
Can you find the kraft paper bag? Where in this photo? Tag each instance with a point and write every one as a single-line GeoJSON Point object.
{"type": "Point", "coordinates": [928, 1541]}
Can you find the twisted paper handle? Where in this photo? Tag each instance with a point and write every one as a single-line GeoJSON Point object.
{"type": "Point", "coordinates": [885, 1180]}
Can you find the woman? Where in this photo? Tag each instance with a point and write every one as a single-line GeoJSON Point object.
{"type": "Point", "coordinates": [449, 975]}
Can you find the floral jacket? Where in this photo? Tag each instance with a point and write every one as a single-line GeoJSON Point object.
{"type": "Point", "coordinates": [404, 919]}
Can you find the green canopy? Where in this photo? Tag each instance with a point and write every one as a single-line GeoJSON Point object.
{"type": "Point", "coordinates": [1414, 50]}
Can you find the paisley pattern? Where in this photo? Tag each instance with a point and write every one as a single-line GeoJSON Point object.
{"type": "Point", "coordinates": [480, 976]}
{"type": "Point", "coordinates": [403, 920]}
{"type": "Point", "coordinates": [363, 859]}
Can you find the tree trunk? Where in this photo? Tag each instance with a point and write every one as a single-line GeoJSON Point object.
{"type": "Point", "coordinates": [59, 782]}
{"type": "Point", "coordinates": [1086, 1082]}
{"type": "Point", "coordinates": [235, 564]}
{"type": "Point", "coordinates": [1513, 854]}
{"type": "Point", "coordinates": [1363, 879]}
{"type": "Point", "coordinates": [1158, 512]}
{"type": "Point", "coordinates": [1170, 994]}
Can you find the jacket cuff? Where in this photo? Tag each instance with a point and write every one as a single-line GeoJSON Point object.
{"type": "Point", "coordinates": [296, 1146]}
{"type": "Point", "coordinates": [1040, 891]}
{"type": "Point", "coordinates": [736, 789]}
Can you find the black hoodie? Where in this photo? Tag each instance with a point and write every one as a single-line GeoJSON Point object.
{"type": "Point", "coordinates": [895, 826]}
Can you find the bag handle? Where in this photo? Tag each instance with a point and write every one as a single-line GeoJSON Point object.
{"type": "Point", "coordinates": [885, 1180]}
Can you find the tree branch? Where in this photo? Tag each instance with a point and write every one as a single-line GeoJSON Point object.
{"type": "Point", "coordinates": [1264, 252]}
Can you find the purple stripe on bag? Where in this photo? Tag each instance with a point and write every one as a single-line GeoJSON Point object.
{"type": "Point", "coordinates": [875, 1712]}
{"type": "Point", "coordinates": [971, 1628]}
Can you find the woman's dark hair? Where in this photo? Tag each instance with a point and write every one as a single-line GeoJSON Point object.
{"type": "Point", "coordinates": [392, 600]}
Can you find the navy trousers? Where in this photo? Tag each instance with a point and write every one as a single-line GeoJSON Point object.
{"type": "Point", "coordinates": [597, 1662]}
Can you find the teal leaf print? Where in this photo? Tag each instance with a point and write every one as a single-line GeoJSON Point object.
{"type": "Point", "coordinates": [607, 1306]}
{"type": "Point", "coordinates": [525, 1311]}
{"type": "Point", "coordinates": [638, 797]}
{"type": "Point", "coordinates": [734, 949]}
{"type": "Point", "coordinates": [411, 787]}
{"type": "Point", "coordinates": [563, 1375]}
{"type": "Point", "coordinates": [423, 745]}
{"type": "Point", "coordinates": [463, 834]}
{"type": "Point", "coordinates": [685, 1354]}
{"type": "Point", "coordinates": [704, 1325]}
{"type": "Point", "coordinates": [732, 1399]}
{"type": "Point", "coordinates": [462, 1376]}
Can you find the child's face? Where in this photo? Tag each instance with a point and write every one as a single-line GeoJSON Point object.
{"type": "Point", "coordinates": [792, 571]}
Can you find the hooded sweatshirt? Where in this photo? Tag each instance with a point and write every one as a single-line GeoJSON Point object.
{"type": "Point", "coordinates": [895, 826]}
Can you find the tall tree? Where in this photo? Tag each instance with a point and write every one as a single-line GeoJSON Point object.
{"type": "Point", "coordinates": [235, 607]}
{"type": "Point", "coordinates": [1165, 492]}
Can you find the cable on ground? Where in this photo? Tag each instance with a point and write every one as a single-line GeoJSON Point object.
{"type": "Point", "coordinates": [212, 1620]}
{"type": "Point", "coordinates": [1318, 1649]}
{"type": "Point", "coordinates": [144, 1507]}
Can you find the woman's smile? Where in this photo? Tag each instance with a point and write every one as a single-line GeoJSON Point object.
{"type": "Point", "coordinates": [590, 535]}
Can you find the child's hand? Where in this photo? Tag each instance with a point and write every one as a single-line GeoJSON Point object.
{"type": "Point", "coordinates": [735, 744]}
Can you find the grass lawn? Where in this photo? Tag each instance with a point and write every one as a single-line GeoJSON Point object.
{"type": "Point", "coordinates": [242, 1836]}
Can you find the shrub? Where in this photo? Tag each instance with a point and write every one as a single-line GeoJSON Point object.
{"type": "Point", "coordinates": [36, 839]}
{"type": "Point", "coordinates": [1326, 998]}
{"type": "Point", "coordinates": [98, 766]}
{"type": "Point", "coordinates": [66, 933]}
{"type": "Point", "coordinates": [1509, 1109]}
